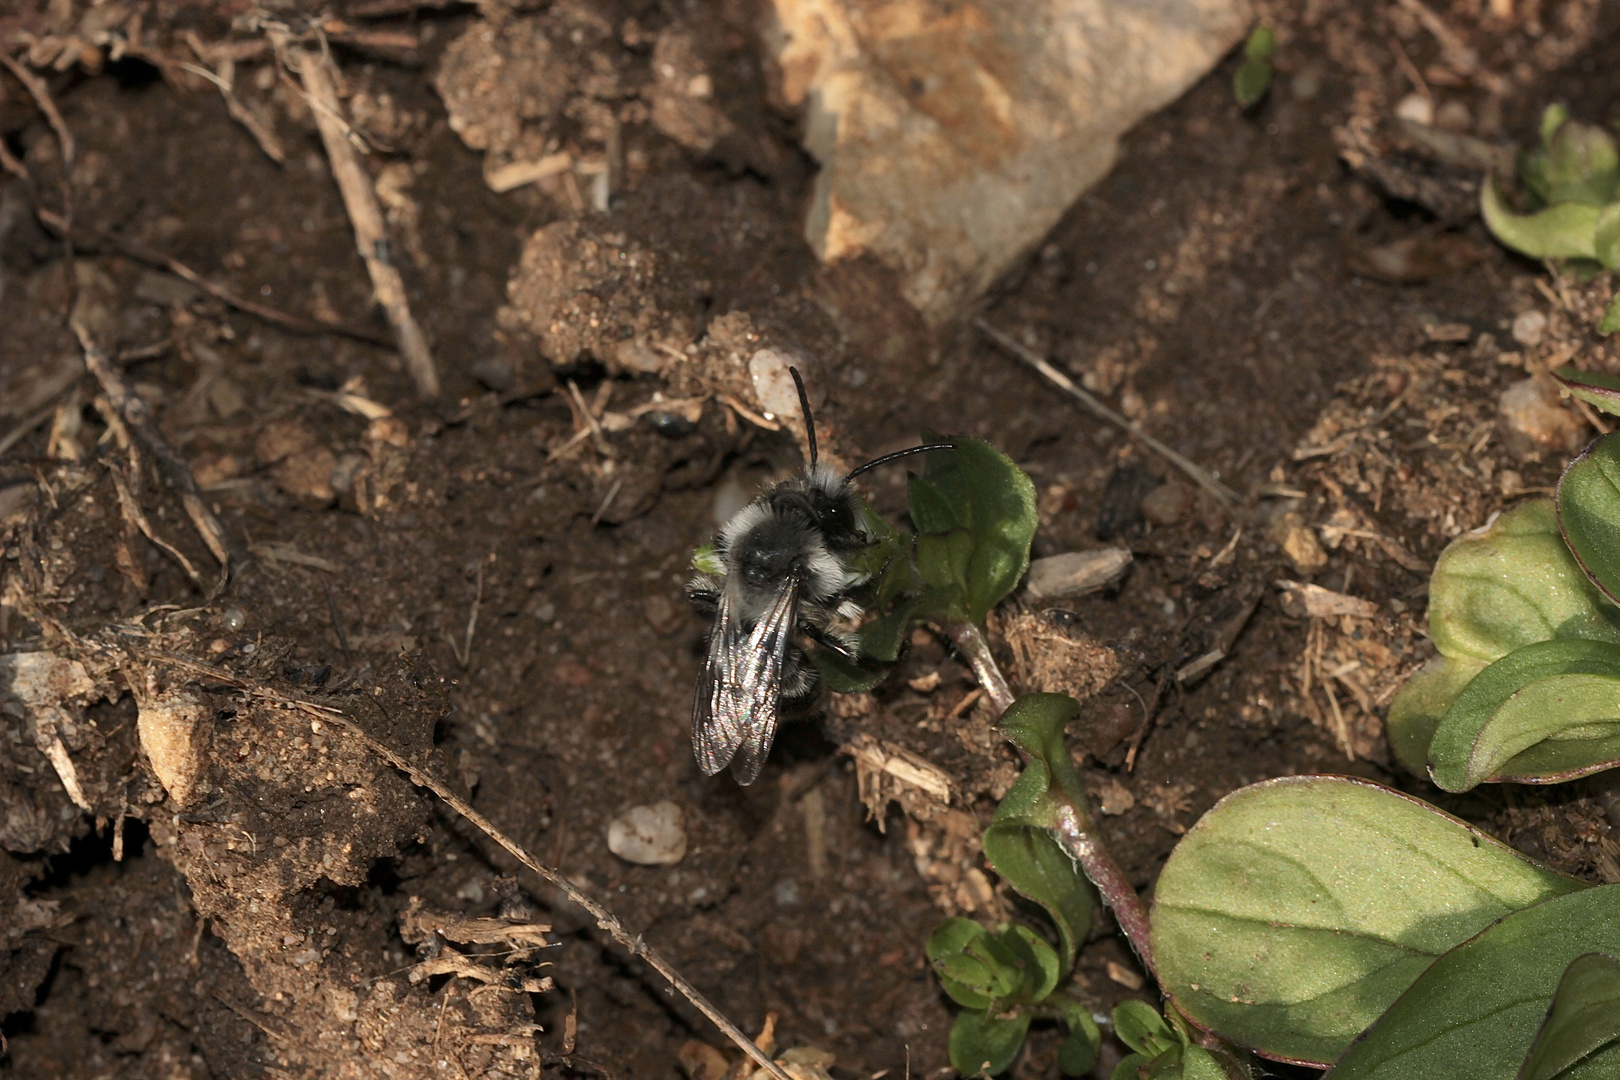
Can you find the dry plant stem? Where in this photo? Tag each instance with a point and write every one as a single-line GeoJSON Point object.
{"type": "Point", "coordinates": [1223, 494]}
{"type": "Point", "coordinates": [138, 416]}
{"type": "Point", "coordinates": [152, 257]}
{"type": "Point", "coordinates": [605, 919]}
{"type": "Point", "coordinates": [370, 235]}
{"type": "Point", "coordinates": [1076, 832]}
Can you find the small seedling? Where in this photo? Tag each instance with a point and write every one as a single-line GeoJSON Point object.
{"type": "Point", "coordinates": [1253, 79]}
{"type": "Point", "coordinates": [1570, 183]}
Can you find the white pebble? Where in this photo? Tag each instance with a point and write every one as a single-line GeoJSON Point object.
{"type": "Point", "coordinates": [773, 386]}
{"type": "Point", "coordinates": [1416, 108]}
{"type": "Point", "coordinates": [649, 835]}
{"type": "Point", "coordinates": [1529, 327]}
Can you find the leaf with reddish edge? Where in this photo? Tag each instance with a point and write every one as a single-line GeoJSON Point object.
{"type": "Point", "coordinates": [1298, 909]}
{"type": "Point", "coordinates": [1588, 504]}
{"type": "Point", "coordinates": [1597, 388]}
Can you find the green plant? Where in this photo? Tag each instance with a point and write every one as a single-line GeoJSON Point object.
{"type": "Point", "coordinates": [1569, 183]}
{"type": "Point", "coordinates": [1523, 615]}
{"type": "Point", "coordinates": [1253, 79]}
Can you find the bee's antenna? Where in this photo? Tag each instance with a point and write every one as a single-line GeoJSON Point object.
{"type": "Point", "coordinates": [804, 407]}
{"type": "Point", "coordinates": [886, 458]}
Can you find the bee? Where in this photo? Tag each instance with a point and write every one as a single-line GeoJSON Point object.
{"type": "Point", "coordinates": [778, 576]}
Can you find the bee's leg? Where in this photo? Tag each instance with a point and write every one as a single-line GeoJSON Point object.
{"type": "Point", "coordinates": [704, 593]}
{"type": "Point", "coordinates": [845, 645]}
{"type": "Point", "coordinates": [798, 675]}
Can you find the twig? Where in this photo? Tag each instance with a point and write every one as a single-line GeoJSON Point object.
{"type": "Point", "coordinates": [1225, 495]}
{"type": "Point", "coordinates": [29, 423]}
{"type": "Point", "coordinates": [1077, 831]}
{"type": "Point", "coordinates": [225, 79]}
{"type": "Point", "coordinates": [605, 919]}
{"type": "Point", "coordinates": [152, 257]}
{"type": "Point", "coordinates": [137, 517]}
{"type": "Point", "coordinates": [42, 97]}
{"type": "Point", "coordinates": [370, 234]}
{"type": "Point", "coordinates": [138, 416]}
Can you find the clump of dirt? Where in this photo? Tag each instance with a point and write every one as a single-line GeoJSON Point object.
{"type": "Point", "coordinates": [492, 583]}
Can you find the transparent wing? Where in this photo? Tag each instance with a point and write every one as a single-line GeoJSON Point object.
{"type": "Point", "coordinates": [716, 712]}
{"type": "Point", "coordinates": [767, 646]}
{"type": "Point", "coordinates": [739, 690]}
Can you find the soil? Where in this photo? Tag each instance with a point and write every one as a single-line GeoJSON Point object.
{"type": "Point", "coordinates": [492, 583]}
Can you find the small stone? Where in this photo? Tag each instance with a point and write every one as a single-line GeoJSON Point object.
{"type": "Point", "coordinates": [1453, 116]}
{"type": "Point", "coordinates": [1075, 573]}
{"type": "Point", "coordinates": [175, 730]}
{"type": "Point", "coordinates": [1417, 108]}
{"type": "Point", "coordinates": [1166, 504]}
{"type": "Point", "coordinates": [661, 613]}
{"type": "Point", "coordinates": [1298, 543]}
{"type": "Point", "coordinates": [1532, 409]}
{"type": "Point", "coordinates": [773, 386]}
{"type": "Point", "coordinates": [1123, 975]}
{"type": "Point", "coordinates": [636, 356]}
{"type": "Point", "coordinates": [301, 465]}
{"type": "Point", "coordinates": [1529, 328]}
{"type": "Point", "coordinates": [649, 835]}
{"type": "Point", "coordinates": [700, 1061]}
{"type": "Point", "coordinates": [390, 430]}
{"type": "Point", "coordinates": [1115, 798]}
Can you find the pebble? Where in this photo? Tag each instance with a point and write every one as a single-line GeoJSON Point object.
{"type": "Point", "coordinates": [1417, 108]}
{"type": "Point", "coordinates": [1076, 572]}
{"type": "Point", "coordinates": [1533, 410]}
{"type": "Point", "coordinates": [1166, 504]}
{"type": "Point", "coordinates": [649, 835]}
{"type": "Point", "coordinates": [773, 386]}
{"type": "Point", "coordinates": [175, 730]}
{"type": "Point", "coordinates": [1529, 328]}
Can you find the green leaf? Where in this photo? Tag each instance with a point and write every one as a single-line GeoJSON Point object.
{"type": "Point", "coordinates": [1606, 237]}
{"type": "Point", "coordinates": [1418, 709]}
{"type": "Point", "coordinates": [1251, 82]}
{"type": "Point", "coordinates": [1078, 1054]}
{"type": "Point", "coordinates": [1589, 511]}
{"type": "Point", "coordinates": [1552, 118]}
{"type": "Point", "coordinates": [976, 488]}
{"type": "Point", "coordinates": [1038, 960]}
{"type": "Point", "coordinates": [1583, 1019]}
{"type": "Point", "coordinates": [1262, 44]}
{"type": "Point", "coordinates": [1474, 1013]}
{"type": "Point", "coordinates": [1035, 724]}
{"type": "Point", "coordinates": [955, 950]}
{"type": "Point", "coordinates": [983, 1045]}
{"type": "Point", "coordinates": [944, 560]}
{"type": "Point", "coordinates": [1140, 1027]}
{"type": "Point", "coordinates": [1611, 317]}
{"type": "Point", "coordinates": [1512, 583]}
{"type": "Point", "coordinates": [1596, 388]}
{"type": "Point", "coordinates": [1298, 909]}
{"type": "Point", "coordinates": [882, 637]}
{"type": "Point", "coordinates": [1029, 860]}
{"type": "Point", "coordinates": [843, 677]}
{"type": "Point", "coordinates": [1583, 165]}
{"type": "Point", "coordinates": [705, 561]}
{"type": "Point", "coordinates": [1560, 697]}
{"type": "Point", "coordinates": [1564, 231]}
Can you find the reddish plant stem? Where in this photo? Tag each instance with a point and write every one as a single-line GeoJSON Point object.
{"type": "Point", "coordinates": [1076, 831]}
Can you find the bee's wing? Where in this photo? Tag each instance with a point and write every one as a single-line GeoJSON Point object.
{"type": "Point", "coordinates": [716, 712]}
{"type": "Point", "coordinates": [767, 646]}
{"type": "Point", "coordinates": [739, 691]}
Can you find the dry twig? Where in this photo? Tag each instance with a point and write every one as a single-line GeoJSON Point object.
{"type": "Point", "coordinates": [370, 234]}
{"type": "Point", "coordinates": [1223, 494]}
{"type": "Point", "coordinates": [138, 416]}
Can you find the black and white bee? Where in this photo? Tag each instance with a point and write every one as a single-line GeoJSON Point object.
{"type": "Point", "coordinates": [779, 576]}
